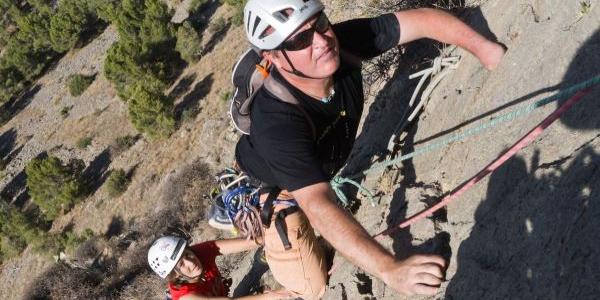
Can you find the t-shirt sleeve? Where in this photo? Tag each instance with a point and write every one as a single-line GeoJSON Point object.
{"type": "Point", "coordinates": [287, 146]}
{"type": "Point", "coordinates": [368, 37]}
{"type": "Point", "coordinates": [206, 249]}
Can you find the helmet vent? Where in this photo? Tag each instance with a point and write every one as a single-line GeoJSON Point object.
{"type": "Point", "coordinates": [283, 15]}
{"type": "Point", "coordinates": [256, 23]}
{"type": "Point", "coordinates": [248, 21]}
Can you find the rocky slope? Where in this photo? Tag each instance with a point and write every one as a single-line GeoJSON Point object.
{"type": "Point", "coordinates": [529, 230]}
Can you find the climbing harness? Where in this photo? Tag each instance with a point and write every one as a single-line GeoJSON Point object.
{"type": "Point", "coordinates": [240, 198]}
{"type": "Point", "coordinates": [268, 209]}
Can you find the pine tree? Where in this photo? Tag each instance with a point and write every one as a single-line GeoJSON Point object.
{"type": "Point", "coordinates": [151, 111]}
{"type": "Point", "coordinates": [129, 19]}
{"type": "Point", "coordinates": [11, 81]}
{"type": "Point", "coordinates": [66, 25]}
{"type": "Point", "coordinates": [188, 42]}
{"type": "Point", "coordinates": [53, 186]}
{"type": "Point", "coordinates": [34, 29]}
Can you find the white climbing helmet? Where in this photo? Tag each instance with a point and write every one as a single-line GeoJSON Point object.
{"type": "Point", "coordinates": [260, 14]}
{"type": "Point", "coordinates": [165, 253]}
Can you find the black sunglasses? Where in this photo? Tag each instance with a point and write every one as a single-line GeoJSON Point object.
{"type": "Point", "coordinates": [305, 38]}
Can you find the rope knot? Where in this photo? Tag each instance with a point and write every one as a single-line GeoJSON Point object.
{"type": "Point", "coordinates": [437, 65]}
{"type": "Point", "coordinates": [338, 182]}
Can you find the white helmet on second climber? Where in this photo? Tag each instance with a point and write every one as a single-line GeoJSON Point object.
{"type": "Point", "coordinates": [165, 253]}
{"type": "Point", "coordinates": [283, 16]}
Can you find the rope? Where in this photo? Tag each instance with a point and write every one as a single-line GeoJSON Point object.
{"type": "Point", "coordinates": [338, 182]}
{"type": "Point", "coordinates": [503, 118]}
{"type": "Point", "coordinates": [437, 74]}
{"type": "Point", "coordinates": [494, 165]}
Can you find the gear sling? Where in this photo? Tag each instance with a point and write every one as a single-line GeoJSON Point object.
{"type": "Point", "coordinates": [248, 76]}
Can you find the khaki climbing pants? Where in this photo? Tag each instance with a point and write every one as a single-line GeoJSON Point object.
{"type": "Point", "coordinates": [301, 269]}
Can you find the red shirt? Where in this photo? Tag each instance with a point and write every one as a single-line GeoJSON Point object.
{"type": "Point", "coordinates": [211, 282]}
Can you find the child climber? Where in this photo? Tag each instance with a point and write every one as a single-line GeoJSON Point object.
{"type": "Point", "coordinates": [191, 271]}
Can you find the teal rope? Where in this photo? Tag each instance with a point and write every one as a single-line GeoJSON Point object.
{"type": "Point", "coordinates": [337, 183]}
{"type": "Point", "coordinates": [503, 118]}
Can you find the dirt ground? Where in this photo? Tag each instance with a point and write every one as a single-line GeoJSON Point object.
{"type": "Point", "coordinates": [530, 230]}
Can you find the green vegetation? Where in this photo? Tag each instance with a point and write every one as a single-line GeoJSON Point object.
{"type": "Point", "coordinates": [70, 20]}
{"type": "Point", "coordinates": [106, 10]}
{"type": "Point", "coordinates": [33, 33]}
{"type": "Point", "coordinates": [146, 49]}
{"type": "Point", "coordinates": [238, 7]}
{"type": "Point", "coordinates": [143, 62]}
{"type": "Point", "coordinates": [3, 164]}
{"type": "Point", "coordinates": [53, 186]}
{"type": "Point", "coordinates": [84, 142]}
{"type": "Point", "coordinates": [117, 183]}
{"type": "Point", "coordinates": [151, 112]}
{"type": "Point", "coordinates": [18, 230]}
{"type": "Point", "coordinates": [124, 142]}
{"type": "Point", "coordinates": [217, 26]}
{"type": "Point", "coordinates": [197, 6]}
{"type": "Point", "coordinates": [78, 83]}
{"type": "Point", "coordinates": [188, 114]}
{"type": "Point", "coordinates": [188, 42]}
{"type": "Point", "coordinates": [225, 96]}
{"type": "Point", "coordinates": [64, 112]}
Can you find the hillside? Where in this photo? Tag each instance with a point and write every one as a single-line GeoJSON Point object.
{"type": "Point", "coordinates": [530, 230]}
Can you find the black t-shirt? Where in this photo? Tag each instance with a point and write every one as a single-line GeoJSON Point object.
{"type": "Point", "coordinates": [281, 149]}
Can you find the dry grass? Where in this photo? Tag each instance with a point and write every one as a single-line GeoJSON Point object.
{"type": "Point", "coordinates": [116, 267]}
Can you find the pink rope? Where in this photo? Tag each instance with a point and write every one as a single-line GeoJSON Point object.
{"type": "Point", "coordinates": [526, 140]}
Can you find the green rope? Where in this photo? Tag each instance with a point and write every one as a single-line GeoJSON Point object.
{"type": "Point", "coordinates": [503, 118]}
{"type": "Point", "coordinates": [337, 183]}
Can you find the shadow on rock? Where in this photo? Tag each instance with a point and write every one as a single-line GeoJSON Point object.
{"type": "Point", "coordinates": [585, 65]}
{"type": "Point", "coordinates": [16, 105]}
{"type": "Point", "coordinates": [193, 98]}
{"type": "Point", "coordinates": [96, 172]}
{"type": "Point", "coordinates": [250, 284]}
{"type": "Point", "coordinates": [7, 142]}
{"type": "Point", "coordinates": [536, 235]}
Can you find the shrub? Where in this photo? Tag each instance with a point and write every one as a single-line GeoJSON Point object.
{"type": "Point", "coordinates": [188, 42]}
{"type": "Point", "coordinates": [11, 82]}
{"type": "Point", "coordinates": [16, 230]}
{"type": "Point", "coordinates": [121, 67]}
{"type": "Point", "coordinates": [238, 7]}
{"type": "Point", "coordinates": [225, 96]}
{"type": "Point", "coordinates": [9, 248]}
{"type": "Point", "coordinates": [189, 114]}
{"type": "Point", "coordinates": [124, 142]}
{"type": "Point", "coordinates": [64, 112]}
{"type": "Point", "coordinates": [78, 83]}
{"type": "Point", "coordinates": [3, 164]}
{"type": "Point", "coordinates": [217, 26]}
{"type": "Point", "coordinates": [151, 112]}
{"type": "Point", "coordinates": [196, 6]}
{"type": "Point", "coordinates": [84, 142]}
{"type": "Point", "coordinates": [53, 186]}
{"type": "Point", "coordinates": [105, 9]}
{"type": "Point", "coordinates": [70, 19]}
{"type": "Point", "coordinates": [117, 183]}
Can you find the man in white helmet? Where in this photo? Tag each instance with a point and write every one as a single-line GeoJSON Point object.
{"type": "Point", "coordinates": [297, 38]}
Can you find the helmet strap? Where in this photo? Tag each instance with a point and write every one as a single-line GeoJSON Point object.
{"type": "Point", "coordinates": [294, 70]}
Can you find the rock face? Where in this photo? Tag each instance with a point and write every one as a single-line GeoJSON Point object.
{"type": "Point", "coordinates": [530, 230]}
